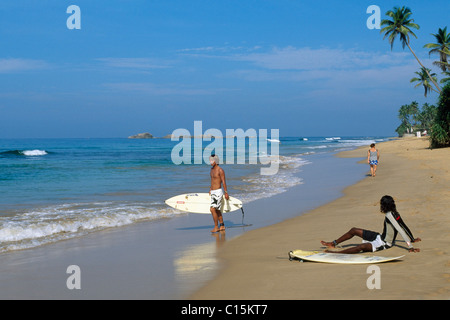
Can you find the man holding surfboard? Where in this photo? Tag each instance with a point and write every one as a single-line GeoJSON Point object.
{"type": "Point", "coordinates": [216, 192]}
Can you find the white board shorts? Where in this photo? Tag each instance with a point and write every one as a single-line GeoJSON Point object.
{"type": "Point", "coordinates": [377, 244]}
{"type": "Point", "coordinates": [216, 198]}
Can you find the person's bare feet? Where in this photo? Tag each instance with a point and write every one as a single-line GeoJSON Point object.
{"type": "Point", "coordinates": [328, 244]}
{"type": "Point", "coordinates": [217, 229]}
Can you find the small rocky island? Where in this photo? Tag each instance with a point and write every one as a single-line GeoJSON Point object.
{"type": "Point", "coordinates": [147, 135]}
{"type": "Point", "coordinates": [144, 135]}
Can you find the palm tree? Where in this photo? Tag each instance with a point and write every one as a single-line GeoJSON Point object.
{"type": "Point", "coordinates": [441, 47]}
{"type": "Point", "coordinates": [403, 115]}
{"type": "Point", "coordinates": [414, 110]}
{"type": "Point", "coordinates": [408, 114]}
{"type": "Point", "coordinates": [426, 116]}
{"type": "Point", "coordinates": [424, 80]}
{"type": "Point", "coordinates": [447, 73]}
{"type": "Point", "coordinates": [401, 25]}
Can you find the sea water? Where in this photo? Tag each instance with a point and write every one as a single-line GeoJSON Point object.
{"type": "Point", "coordinates": [57, 189]}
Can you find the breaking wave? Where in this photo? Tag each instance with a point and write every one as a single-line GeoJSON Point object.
{"type": "Point", "coordinates": [27, 153]}
{"type": "Point", "coordinates": [264, 186]}
{"type": "Point", "coordinates": [60, 222]}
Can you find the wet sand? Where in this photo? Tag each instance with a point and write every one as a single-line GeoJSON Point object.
{"type": "Point", "coordinates": [180, 259]}
{"type": "Point", "coordinates": [256, 265]}
{"type": "Point", "coordinates": [167, 259]}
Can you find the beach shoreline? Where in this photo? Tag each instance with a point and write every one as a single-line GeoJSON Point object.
{"type": "Point", "coordinates": [256, 265]}
{"type": "Point", "coordinates": [178, 259]}
{"type": "Point", "coordinates": [166, 259]}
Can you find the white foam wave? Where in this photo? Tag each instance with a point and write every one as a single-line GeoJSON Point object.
{"type": "Point", "coordinates": [333, 138]}
{"type": "Point", "coordinates": [264, 186]}
{"type": "Point", "coordinates": [32, 153]}
{"type": "Point", "coordinates": [337, 143]}
{"type": "Point", "coordinates": [356, 143]}
{"type": "Point", "coordinates": [31, 229]}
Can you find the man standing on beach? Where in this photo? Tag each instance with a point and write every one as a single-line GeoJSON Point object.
{"type": "Point", "coordinates": [216, 192]}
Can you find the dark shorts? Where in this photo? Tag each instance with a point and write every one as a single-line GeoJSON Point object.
{"type": "Point", "coordinates": [369, 235]}
{"type": "Point", "coordinates": [374, 238]}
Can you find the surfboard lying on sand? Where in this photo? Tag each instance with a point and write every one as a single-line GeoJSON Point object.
{"type": "Point", "coordinates": [319, 256]}
{"type": "Point", "coordinates": [200, 203]}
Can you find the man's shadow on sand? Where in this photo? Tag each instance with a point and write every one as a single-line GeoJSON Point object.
{"type": "Point", "coordinates": [228, 225]}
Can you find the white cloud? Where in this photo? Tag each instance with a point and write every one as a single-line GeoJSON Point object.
{"type": "Point", "coordinates": [326, 68]}
{"type": "Point", "coordinates": [12, 65]}
{"type": "Point", "coordinates": [220, 49]}
{"type": "Point", "coordinates": [155, 89]}
{"type": "Point", "coordinates": [136, 63]}
{"type": "Point", "coordinates": [291, 58]}
{"type": "Point", "coordinates": [304, 58]}
{"type": "Point", "coordinates": [201, 49]}
{"type": "Point", "coordinates": [331, 66]}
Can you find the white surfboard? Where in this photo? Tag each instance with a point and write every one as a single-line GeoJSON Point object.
{"type": "Point", "coordinates": [325, 257]}
{"type": "Point", "coordinates": [200, 203]}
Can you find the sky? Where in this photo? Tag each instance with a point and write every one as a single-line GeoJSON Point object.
{"type": "Point", "coordinates": [307, 68]}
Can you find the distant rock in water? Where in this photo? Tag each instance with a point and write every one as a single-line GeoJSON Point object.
{"type": "Point", "coordinates": [144, 135]}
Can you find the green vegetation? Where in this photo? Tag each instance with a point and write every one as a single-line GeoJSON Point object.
{"type": "Point", "coordinates": [440, 131]}
{"type": "Point", "coordinates": [415, 119]}
{"type": "Point", "coordinates": [441, 47]}
{"type": "Point", "coordinates": [434, 120]}
{"type": "Point", "coordinates": [424, 80]}
{"type": "Point", "coordinates": [400, 26]}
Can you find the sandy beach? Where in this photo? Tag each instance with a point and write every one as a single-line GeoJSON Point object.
{"type": "Point", "coordinates": [177, 259]}
{"type": "Point", "coordinates": [165, 259]}
{"type": "Point", "coordinates": [256, 265]}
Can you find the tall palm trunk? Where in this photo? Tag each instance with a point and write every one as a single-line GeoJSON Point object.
{"type": "Point", "coordinates": [439, 89]}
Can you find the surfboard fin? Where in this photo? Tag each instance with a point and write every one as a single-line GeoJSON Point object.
{"type": "Point", "coordinates": [292, 258]}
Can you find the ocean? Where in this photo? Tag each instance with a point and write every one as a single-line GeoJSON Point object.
{"type": "Point", "coordinates": [58, 189]}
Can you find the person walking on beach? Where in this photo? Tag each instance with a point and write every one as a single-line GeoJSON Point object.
{"type": "Point", "coordinates": [373, 241]}
{"type": "Point", "coordinates": [373, 156]}
{"type": "Point", "coordinates": [216, 192]}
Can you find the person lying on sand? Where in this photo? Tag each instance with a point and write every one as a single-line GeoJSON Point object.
{"type": "Point", "coordinates": [373, 241]}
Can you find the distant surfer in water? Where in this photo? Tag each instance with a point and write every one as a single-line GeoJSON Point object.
{"type": "Point", "coordinates": [216, 192]}
{"type": "Point", "coordinates": [373, 241]}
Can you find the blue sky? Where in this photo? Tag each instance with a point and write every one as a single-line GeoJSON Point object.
{"type": "Point", "coordinates": [307, 68]}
